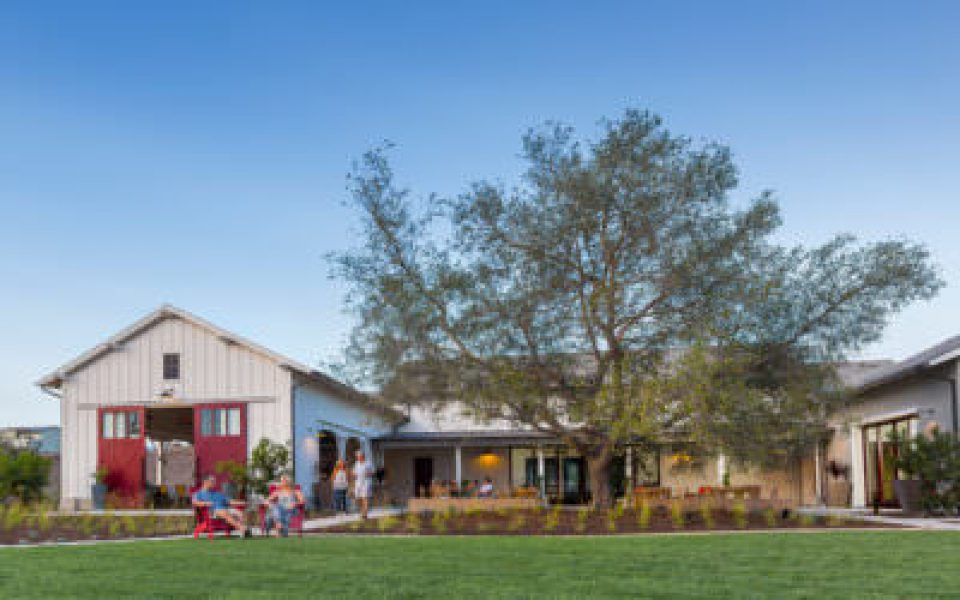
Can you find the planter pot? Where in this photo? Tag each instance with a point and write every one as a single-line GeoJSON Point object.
{"type": "Point", "coordinates": [98, 496]}
{"type": "Point", "coordinates": [838, 493]}
{"type": "Point", "coordinates": [909, 494]}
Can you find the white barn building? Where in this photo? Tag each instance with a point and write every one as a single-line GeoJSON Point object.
{"type": "Point", "coordinates": [173, 378]}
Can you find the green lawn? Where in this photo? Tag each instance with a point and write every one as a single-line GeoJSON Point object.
{"type": "Point", "coordinates": [836, 565]}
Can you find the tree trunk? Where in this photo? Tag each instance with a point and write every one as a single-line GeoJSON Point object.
{"type": "Point", "coordinates": [598, 466]}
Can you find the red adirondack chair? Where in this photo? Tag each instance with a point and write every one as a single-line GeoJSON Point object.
{"type": "Point", "coordinates": [205, 522]}
{"type": "Point", "coordinates": [296, 521]}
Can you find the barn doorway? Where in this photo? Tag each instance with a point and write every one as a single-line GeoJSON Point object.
{"type": "Point", "coordinates": [170, 470]}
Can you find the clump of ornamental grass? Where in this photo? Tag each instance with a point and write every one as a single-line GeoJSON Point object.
{"type": "Point", "coordinates": [772, 517]}
{"type": "Point", "coordinates": [43, 518]}
{"type": "Point", "coordinates": [13, 516]}
{"type": "Point", "coordinates": [583, 515]}
{"type": "Point", "coordinates": [387, 523]}
{"type": "Point", "coordinates": [644, 515]}
{"type": "Point", "coordinates": [739, 514]}
{"type": "Point", "coordinates": [620, 509]}
{"type": "Point", "coordinates": [113, 530]}
{"type": "Point", "coordinates": [612, 520]}
{"type": "Point", "coordinates": [834, 521]}
{"type": "Point", "coordinates": [439, 522]}
{"type": "Point", "coordinates": [411, 522]}
{"type": "Point", "coordinates": [516, 522]}
{"type": "Point", "coordinates": [129, 525]}
{"type": "Point", "coordinates": [552, 520]}
{"type": "Point", "coordinates": [676, 514]}
{"type": "Point", "coordinates": [87, 525]}
{"type": "Point", "coordinates": [706, 513]}
{"type": "Point", "coordinates": [806, 520]}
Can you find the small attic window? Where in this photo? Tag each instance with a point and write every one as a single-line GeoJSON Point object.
{"type": "Point", "coordinates": [171, 366]}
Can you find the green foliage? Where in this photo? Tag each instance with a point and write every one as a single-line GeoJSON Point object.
{"type": "Point", "coordinates": [612, 520]}
{"type": "Point", "coordinates": [644, 515]}
{"type": "Point", "coordinates": [237, 473]}
{"type": "Point", "coordinates": [935, 460]}
{"type": "Point", "coordinates": [439, 521]}
{"type": "Point", "coordinates": [100, 475]}
{"type": "Point", "coordinates": [677, 515]}
{"type": "Point", "coordinates": [114, 528]}
{"type": "Point", "coordinates": [706, 513]}
{"type": "Point", "coordinates": [552, 519]}
{"type": "Point", "coordinates": [13, 516]}
{"type": "Point", "coordinates": [772, 517]}
{"type": "Point", "coordinates": [569, 287]}
{"type": "Point", "coordinates": [411, 522]}
{"type": "Point", "coordinates": [388, 523]}
{"type": "Point", "coordinates": [267, 462]}
{"type": "Point", "coordinates": [739, 513]}
{"type": "Point", "coordinates": [23, 474]}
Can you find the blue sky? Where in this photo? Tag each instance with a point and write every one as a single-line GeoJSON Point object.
{"type": "Point", "coordinates": [196, 155]}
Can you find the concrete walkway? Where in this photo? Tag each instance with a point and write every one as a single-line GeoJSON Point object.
{"type": "Point", "coordinates": [891, 517]}
{"type": "Point", "coordinates": [326, 522]}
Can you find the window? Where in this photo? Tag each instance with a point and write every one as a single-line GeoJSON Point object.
{"type": "Point", "coordinates": [220, 422]}
{"type": "Point", "coordinates": [120, 425]}
{"type": "Point", "coordinates": [171, 366]}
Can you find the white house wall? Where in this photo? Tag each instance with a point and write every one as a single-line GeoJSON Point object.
{"type": "Point", "coordinates": [211, 369]}
{"type": "Point", "coordinates": [317, 409]}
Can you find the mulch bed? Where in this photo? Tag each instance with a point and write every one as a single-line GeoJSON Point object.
{"type": "Point", "coordinates": [594, 522]}
{"type": "Point", "coordinates": [32, 529]}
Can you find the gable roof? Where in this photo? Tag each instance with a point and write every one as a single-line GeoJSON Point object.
{"type": "Point", "coordinates": [54, 379]}
{"type": "Point", "coordinates": [933, 356]}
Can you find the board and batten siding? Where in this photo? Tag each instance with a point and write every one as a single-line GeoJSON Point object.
{"type": "Point", "coordinates": [211, 369]}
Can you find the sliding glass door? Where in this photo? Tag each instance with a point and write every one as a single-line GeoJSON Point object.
{"type": "Point", "coordinates": [880, 450]}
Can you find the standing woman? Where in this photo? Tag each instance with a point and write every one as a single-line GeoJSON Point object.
{"type": "Point", "coordinates": [341, 482]}
{"type": "Point", "coordinates": [362, 483]}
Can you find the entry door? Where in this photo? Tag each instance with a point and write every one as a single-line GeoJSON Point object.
{"type": "Point", "coordinates": [574, 484]}
{"type": "Point", "coordinates": [120, 448]}
{"type": "Point", "coordinates": [422, 476]}
{"type": "Point", "coordinates": [219, 434]}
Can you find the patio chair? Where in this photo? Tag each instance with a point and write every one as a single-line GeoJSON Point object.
{"type": "Point", "coordinates": [205, 523]}
{"type": "Point", "coordinates": [296, 521]}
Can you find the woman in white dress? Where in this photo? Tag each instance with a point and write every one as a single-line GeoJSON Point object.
{"type": "Point", "coordinates": [362, 483]}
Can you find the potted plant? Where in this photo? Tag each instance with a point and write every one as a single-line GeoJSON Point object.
{"type": "Point", "coordinates": [98, 491]}
{"type": "Point", "coordinates": [931, 466]}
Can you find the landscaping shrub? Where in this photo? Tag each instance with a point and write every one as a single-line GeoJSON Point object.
{"type": "Point", "coordinates": [772, 517]}
{"type": "Point", "coordinates": [739, 514]}
{"type": "Point", "coordinates": [412, 522]}
{"type": "Point", "coordinates": [644, 515]}
{"type": "Point", "coordinates": [706, 513]}
{"type": "Point", "coordinates": [23, 475]}
{"type": "Point", "coordinates": [677, 514]}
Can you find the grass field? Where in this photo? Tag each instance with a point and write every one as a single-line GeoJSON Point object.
{"type": "Point", "coordinates": [837, 564]}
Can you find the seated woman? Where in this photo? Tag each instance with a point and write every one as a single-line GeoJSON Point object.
{"type": "Point", "coordinates": [486, 489]}
{"type": "Point", "coordinates": [283, 502]}
{"type": "Point", "coordinates": [218, 505]}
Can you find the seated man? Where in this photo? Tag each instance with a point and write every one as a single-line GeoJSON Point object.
{"type": "Point", "coordinates": [486, 489]}
{"type": "Point", "coordinates": [218, 505]}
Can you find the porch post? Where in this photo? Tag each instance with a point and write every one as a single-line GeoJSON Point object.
{"type": "Point", "coordinates": [341, 446]}
{"type": "Point", "coordinates": [458, 464]}
{"type": "Point", "coordinates": [628, 472]}
{"type": "Point", "coordinates": [817, 478]}
{"type": "Point", "coordinates": [721, 468]}
{"type": "Point", "coordinates": [859, 496]}
{"type": "Point", "coordinates": [541, 470]}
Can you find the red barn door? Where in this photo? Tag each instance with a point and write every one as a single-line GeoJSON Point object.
{"type": "Point", "coordinates": [219, 434]}
{"type": "Point", "coordinates": [120, 448]}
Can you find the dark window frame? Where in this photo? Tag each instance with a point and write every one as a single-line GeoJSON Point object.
{"type": "Point", "coordinates": [171, 366]}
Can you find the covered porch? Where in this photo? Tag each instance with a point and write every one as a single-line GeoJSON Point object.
{"type": "Point", "coordinates": [454, 465]}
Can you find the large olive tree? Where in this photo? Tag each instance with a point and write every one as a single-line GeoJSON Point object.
{"type": "Point", "coordinates": [615, 295]}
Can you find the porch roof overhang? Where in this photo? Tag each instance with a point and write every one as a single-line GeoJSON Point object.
{"type": "Point", "coordinates": [450, 439]}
